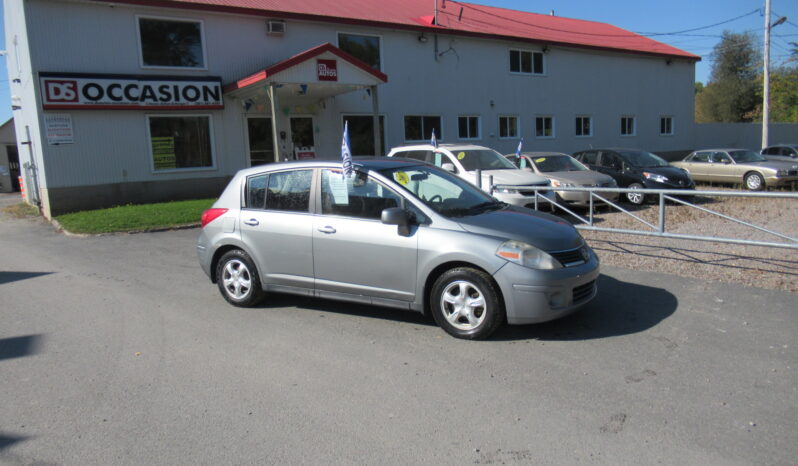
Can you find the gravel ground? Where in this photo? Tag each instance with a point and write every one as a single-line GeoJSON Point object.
{"type": "Point", "coordinates": [758, 266]}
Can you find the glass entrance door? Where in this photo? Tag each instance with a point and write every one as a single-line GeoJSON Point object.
{"type": "Point", "coordinates": [261, 143]}
{"type": "Point", "coordinates": [302, 132]}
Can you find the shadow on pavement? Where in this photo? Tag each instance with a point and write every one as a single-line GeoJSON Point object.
{"type": "Point", "coordinates": [8, 277]}
{"type": "Point", "coordinates": [342, 307]}
{"type": "Point", "coordinates": [8, 440]}
{"type": "Point", "coordinates": [18, 347]}
{"type": "Point", "coordinates": [620, 308]}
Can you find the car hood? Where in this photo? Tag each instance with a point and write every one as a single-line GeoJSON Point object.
{"type": "Point", "coordinates": [781, 158]}
{"type": "Point", "coordinates": [510, 177]}
{"type": "Point", "coordinates": [541, 230]}
{"type": "Point", "coordinates": [672, 173]}
{"type": "Point", "coordinates": [581, 178]}
{"type": "Point", "coordinates": [773, 165]}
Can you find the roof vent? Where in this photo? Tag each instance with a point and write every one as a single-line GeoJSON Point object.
{"type": "Point", "coordinates": [275, 27]}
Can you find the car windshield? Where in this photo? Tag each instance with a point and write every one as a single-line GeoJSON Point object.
{"type": "Point", "coordinates": [557, 163]}
{"type": "Point", "coordinates": [441, 191]}
{"type": "Point", "coordinates": [482, 159]}
{"type": "Point", "coordinates": [643, 159]}
{"type": "Point", "coordinates": [745, 156]}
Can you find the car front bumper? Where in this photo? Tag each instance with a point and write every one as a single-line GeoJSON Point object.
{"type": "Point", "coordinates": [533, 296]}
{"type": "Point", "coordinates": [582, 198]}
{"type": "Point", "coordinates": [527, 198]}
{"type": "Point", "coordinates": [780, 180]}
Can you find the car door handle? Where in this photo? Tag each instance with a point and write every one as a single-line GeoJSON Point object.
{"type": "Point", "coordinates": [328, 229]}
{"type": "Point", "coordinates": [252, 222]}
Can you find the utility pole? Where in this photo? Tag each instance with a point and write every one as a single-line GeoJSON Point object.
{"type": "Point", "coordinates": [766, 73]}
{"type": "Point", "coordinates": [766, 89]}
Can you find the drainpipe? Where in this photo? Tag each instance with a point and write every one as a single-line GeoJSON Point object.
{"type": "Point", "coordinates": [31, 170]}
{"type": "Point", "coordinates": [275, 141]}
{"type": "Point", "coordinates": [375, 109]}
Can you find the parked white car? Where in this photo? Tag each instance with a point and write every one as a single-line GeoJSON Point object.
{"type": "Point", "coordinates": [510, 184]}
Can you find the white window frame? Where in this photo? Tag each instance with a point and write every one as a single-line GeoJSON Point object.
{"type": "Point", "coordinates": [517, 127]}
{"type": "Point", "coordinates": [634, 126]}
{"type": "Point", "coordinates": [180, 115]}
{"type": "Point", "coordinates": [673, 126]}
{"type": "Point", "coordinates": [553, 127]}
{"type": "Point", "coordinates": [179, 20]}
{"type": "Point", "coordinates": [532, 58]}
{"type": "Point", "coordinates": [438, 137]}
{"type": "Point", "coordinates": [592, 131]}
{"type": "Point", "coordinates": [379, 36]}
{"type": "Point", "coordinates": [479, 128]}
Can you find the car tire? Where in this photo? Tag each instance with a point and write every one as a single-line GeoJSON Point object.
{"type": "Point", "coordinates": [465, 303]}
{"type": "Point", "coordinates": [635, 198]}
{"type": "Point", "coordinates": [238, 279]}
{"type": "Point", "coordinates": [754, 181]}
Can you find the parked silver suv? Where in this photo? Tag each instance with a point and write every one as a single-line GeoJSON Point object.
{"type": "Point", "coordinates": [510, 184]}
{"type": "Point", "coordinates": [396, 233]}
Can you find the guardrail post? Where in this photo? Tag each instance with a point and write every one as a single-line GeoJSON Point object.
{"type": "Point", "coordinates": [661, 213]}
{"type": "Point", "coordinates": [479, 178]}
{"type": "Point", "coordinates": [591, 209]}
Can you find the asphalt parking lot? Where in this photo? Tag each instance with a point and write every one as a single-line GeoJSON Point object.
{"type": "Point", "coordinates": [118, 350]}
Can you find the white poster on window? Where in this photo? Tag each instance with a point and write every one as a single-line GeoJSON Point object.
{"type": "Point", "coordinates": [339, 190]}
{"type": "Point", "coordinates": [58, 127]}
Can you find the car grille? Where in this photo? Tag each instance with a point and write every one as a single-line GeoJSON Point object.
{"type": "Point", "coordinates": [569, 258]}
{"type": "Point", "coordinates": [582, 292]}
{"type": "Point", "coordinates": [531, 192]}
{"type": "Point", "coordinates": [792, 173]}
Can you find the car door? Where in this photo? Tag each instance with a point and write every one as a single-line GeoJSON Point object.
{"type": "Point", "coordinates": [698, 165]}
{"type": "Point", "coordinates": [611, 164]}
{"type": "Point", "coordinates": [723, 169]}
{"type": "Point", "coordinates": [354, 253]}
{"type": "Point", "coordinates": [276, 225]}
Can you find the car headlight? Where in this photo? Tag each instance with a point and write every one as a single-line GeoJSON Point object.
{"type": "Point", "coordinates": [782, 172]}
{"type": "Point", "coordinates": [560, 184]}
{"type": "Point", "coordinates": [505, 190]}
{"type": "Point", "coordinates": [655, 177]}
{"type": "Point", "coordinates": [526, 255]}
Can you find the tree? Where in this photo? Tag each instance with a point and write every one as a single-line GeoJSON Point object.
{"type": "Point", "coordinates": [731, 93]}
{"type": "Point", "coordinates": [783, 96]}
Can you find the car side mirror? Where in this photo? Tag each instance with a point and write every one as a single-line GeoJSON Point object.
{"type": "Point", "coordinates": [725, 161]}
{"type": "Point", "coordinates": [397, 216]}
{"type": "Point", "coordinates": [449, 167]}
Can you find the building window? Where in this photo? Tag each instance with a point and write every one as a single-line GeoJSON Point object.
{"type": "Point", "coordinates": [508, 127]}
{"type": "Point", "coordinates": [171, 43]}
{"type": "Point", "coordinates": [180, 142]}
{"type": "Point", "coordinates": [584, 126]}
{"type": "Point", "coordinates": [468, 127]}
{"type": "Point", "coordinates": [627, 126]}
{"type": "Point", "coordinates": [526, 62]}
{"type": "Point", "coordinates": [544, 127]}
{"type": "Point", "coordinates": [419, 128]}
{"type": "Point", "coordinates": [364, 48]}
{"type": "Point", "coordinates": [361, 134]}
{"type": "Point", "coordinates": [666, 126]}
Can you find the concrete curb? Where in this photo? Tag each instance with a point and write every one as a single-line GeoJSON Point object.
{"type": "Point", "coordinates": [60, 228]}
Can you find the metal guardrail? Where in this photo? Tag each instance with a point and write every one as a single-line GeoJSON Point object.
{"type": "Point", "coordinates": [677, 196]}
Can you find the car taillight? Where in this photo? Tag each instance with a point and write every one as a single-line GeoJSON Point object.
{"type": "Point", "coordinates": [210, 215]}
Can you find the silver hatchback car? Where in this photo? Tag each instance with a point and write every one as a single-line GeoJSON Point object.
{"type": "Point", "coordinates": [398, 233]}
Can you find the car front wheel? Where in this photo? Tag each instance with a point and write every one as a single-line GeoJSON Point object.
{"type": "Point", "coordinates": [465, 303]}
{"type": "Point", "coordinates": [238, 279]}
{"type": "Point", "coordinates": [754, 181]}
{"type": "Point", "coordinates": [635, 198]}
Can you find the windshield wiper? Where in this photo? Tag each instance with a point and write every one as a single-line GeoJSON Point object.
{"type": "Point", "coordinates": [486, 206]}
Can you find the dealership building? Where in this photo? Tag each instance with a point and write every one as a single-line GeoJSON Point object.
{"type": "Point", "coordinates": [151, 100]}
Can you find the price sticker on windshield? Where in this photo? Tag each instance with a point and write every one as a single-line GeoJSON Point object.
{"type": "Point", "coordinates": [461, 156]}
{"type": "Point", "coordinates": [540, 160]}
{"type": "Point", "coordinates": [401, 178]}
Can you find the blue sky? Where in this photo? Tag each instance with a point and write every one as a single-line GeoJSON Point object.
{"type": "Point", "coordinates": [642, 16]}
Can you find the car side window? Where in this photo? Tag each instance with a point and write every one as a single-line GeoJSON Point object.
{"type": "Point", "coordinates": [612, 161]}
{"type": "Point", "coordinates": [719, 157]}
{"type": "Point", "coordinates": [589, 157]}
{"type": "Point", "coordinates": [701, 157]}
{"type": "Point", "coordinates": [256, 191]}
{"type": "Point", "coordinates": [289, 191]}
{"type": "Point", "coordinates": [422, 155]}
{"type": "Point", "coordinates": [357, 196]}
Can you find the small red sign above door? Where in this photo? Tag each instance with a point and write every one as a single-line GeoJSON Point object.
{"type": "Point", "coordinates": [327, 70]}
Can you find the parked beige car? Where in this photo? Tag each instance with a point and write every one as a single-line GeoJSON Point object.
{"type": "Point", "coordinates": [565, 171]}
{"type": "Point", "coordinates": [738, 166]}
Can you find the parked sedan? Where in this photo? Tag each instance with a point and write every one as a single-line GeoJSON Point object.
{"type": "Point", "coordinates": [565, 171]}
{"type": "Point", "coordinates": [738, 166]}
{"type": "Point", "coordinates": [781, 153]}
{"type": "Point", "coordinates": [635, 169]}
{"type": "Point", "coordinates": [398, 233]}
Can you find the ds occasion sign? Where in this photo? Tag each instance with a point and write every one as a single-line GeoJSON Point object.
{"type": "Point", "coordinates": [120, 92]}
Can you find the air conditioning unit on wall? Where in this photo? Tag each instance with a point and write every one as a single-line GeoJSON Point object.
{"type": "Point", "coordinates": [275, 27]}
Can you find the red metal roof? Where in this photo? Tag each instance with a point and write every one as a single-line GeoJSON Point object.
{"type": "Point", "coordinates": [299, 58]}
{"type": "Point", "coordinates": [457, 18]}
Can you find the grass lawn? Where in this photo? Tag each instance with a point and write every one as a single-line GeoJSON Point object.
{"type": "Point", "coordinates": [135, 217]}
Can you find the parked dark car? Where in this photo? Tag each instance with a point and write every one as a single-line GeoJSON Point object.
{"type": "Point", "coordinates": [636, 169]}
{"type": "Point", "coordinates": [781, 152]}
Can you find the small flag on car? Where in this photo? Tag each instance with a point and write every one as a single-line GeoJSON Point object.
{"type": "Point", "coordinates": [433, 141]}
{"type": "Point", "coordinates": [346, 152]}
{"type": "Point", "coordinates": [520, 146]}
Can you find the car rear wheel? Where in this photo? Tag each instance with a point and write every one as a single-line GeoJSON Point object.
{"type": "Point", "coordinates": [754, 181]}
{"type": "Point", "coordinates": [635, 198]}
{"type": "Point", "coordinates": [238, 279]}
{"type": "Point", "coordinates": [465, 304]}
